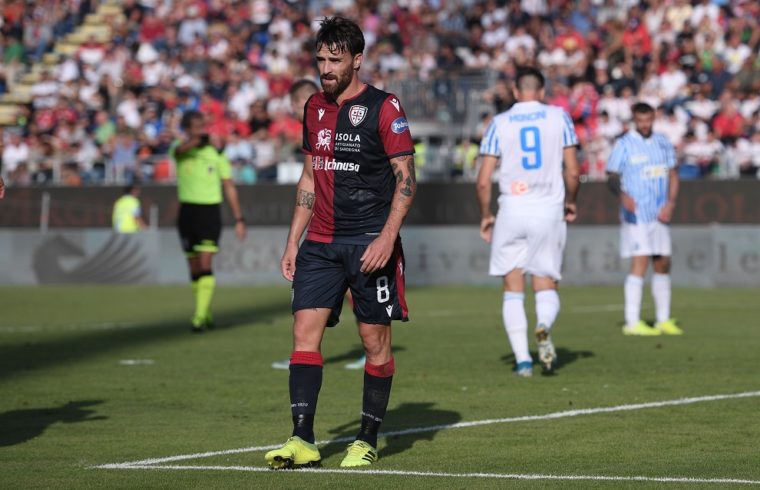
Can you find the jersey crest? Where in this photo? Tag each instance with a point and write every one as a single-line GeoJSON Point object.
{"type": "Point", "coordinates": [356, 114]}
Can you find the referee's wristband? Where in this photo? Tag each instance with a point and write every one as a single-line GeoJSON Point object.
{"type": "Point", "coordinates": [240, 220]}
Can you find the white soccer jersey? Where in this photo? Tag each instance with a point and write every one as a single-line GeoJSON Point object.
{"type": "Point", "coordinates": [529, 138]}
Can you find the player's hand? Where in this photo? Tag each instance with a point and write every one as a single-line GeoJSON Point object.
{"type": "Point", "coordinates": [628, 203]}
{"type": "Point", "coordinates": [288, 262]}
{"type": "Point", "coordinates": [2, 188]}
{"type": "Point", "coordinates": [377, 254]}
{"type": "Point", "coordinates": [486, 228]}
{"type": "Point", "coordinates": [571, 213]}
{"type": "Point", "coordinates": [666, 213]}
{"type": "Point", "coordinates": [240, 230]}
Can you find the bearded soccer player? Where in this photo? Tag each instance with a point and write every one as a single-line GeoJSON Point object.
{"type": "Point", "coordinates": [202, 174]}
{"type": "Point", "coordinates": [642, 173]}
{"type": "Point", "coordinates": [357, 186]}
{"type": "Point", "coordinates": [300, 92]}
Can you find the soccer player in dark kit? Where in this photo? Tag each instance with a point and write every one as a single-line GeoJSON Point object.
{"type": "Point", "coordinates": [357, 186]}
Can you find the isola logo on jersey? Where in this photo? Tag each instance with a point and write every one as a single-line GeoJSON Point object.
{"type": "Point", "coordinates": [348, 142]}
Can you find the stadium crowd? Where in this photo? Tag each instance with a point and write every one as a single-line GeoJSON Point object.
{"type": "Point", "coordinates": [110, 111]}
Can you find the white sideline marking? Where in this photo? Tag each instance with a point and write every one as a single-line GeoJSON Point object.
{"type": "Point", "coordinates": [136, 362]}
{"type": "Point", "coordinates": [503, 476]}
{"type": "Point", "coordinates": [459, 425]}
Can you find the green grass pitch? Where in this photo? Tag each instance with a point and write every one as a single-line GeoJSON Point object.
{"type": "Point", "coordinates": [69, 403]}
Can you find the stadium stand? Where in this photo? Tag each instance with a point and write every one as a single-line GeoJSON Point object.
{"type": "Point", "coordinates": [93, 92]}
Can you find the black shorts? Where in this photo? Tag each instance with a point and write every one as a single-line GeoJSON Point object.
{"type": "Point", "coordinates": [200, 226]}
{"type": "Point", "coordinates": [325, 271]}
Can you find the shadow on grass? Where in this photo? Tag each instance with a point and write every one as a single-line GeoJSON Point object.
{"type": "Point", "coordinates": [564, 357]}
{"type": "Point", "coordinates": [413, 417]}
{"type": "Point", "coordinates": [27, 356]}
{"type": "Point", "coordinates": [19, 426]}
{"type": "Point", "coordinates": [354, 354]}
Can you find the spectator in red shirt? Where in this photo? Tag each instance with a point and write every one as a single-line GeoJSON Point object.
{"type": "Point", "coordinates": [728, 124]}
{"type": "Point", "coordinates": [636, 33]}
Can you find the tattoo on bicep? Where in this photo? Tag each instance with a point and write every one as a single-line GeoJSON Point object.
{"type": "Point", "coordinates": [411, 169]}
{"type": "Point", "coordinates": [305, 199]}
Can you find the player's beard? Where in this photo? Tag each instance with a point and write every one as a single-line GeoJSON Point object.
{"type": "Point", "coordinates": [342, 81]}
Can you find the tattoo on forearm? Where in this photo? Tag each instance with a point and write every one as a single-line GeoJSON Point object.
{"type": "Point", "coordinates": [408, 181]}
{"type": "Point", "coordinates": [305, 199]}
{"type": "Point", "coordinates": [397, 172]}
{"type": "Point", "coordinates": [407, 189]}
{"type": "Point", "coordinates": [411, 169]}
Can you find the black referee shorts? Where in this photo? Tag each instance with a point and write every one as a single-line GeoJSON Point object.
{"type": "Point", "coordinates": [200, 226]}
{"type": "Point", "coordinates": [325, 271]}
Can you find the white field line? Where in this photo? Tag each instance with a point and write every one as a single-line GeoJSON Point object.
{"type": "Point", "coordinates": [502, 476]}
{"type": "Point", "coordinates": [459, 425]}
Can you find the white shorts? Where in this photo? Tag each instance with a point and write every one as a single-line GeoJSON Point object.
{"type": "Point", "coordinates": [645, 239]}
{"type": "Point", "coordinates": [535, 245]}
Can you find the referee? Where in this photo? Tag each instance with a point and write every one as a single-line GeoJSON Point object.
{"type": "Point", "coordinates": [202, 172]}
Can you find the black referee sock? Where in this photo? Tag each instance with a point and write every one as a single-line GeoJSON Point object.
{"type": "Point", "coordinates": [377, 392]}
{"type": "Point", "coordinates": [305, 383]}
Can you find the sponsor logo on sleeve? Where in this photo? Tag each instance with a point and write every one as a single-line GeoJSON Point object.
{"type": "Point", "coordinates": [324, 138]}
{"type": "Point", "coordinates": [356, 114]}
{"type": "Point", "coordinates": [400, 125]}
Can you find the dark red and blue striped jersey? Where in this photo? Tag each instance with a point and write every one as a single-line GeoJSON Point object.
{"type": "Point", "coordinates": [350, 145]}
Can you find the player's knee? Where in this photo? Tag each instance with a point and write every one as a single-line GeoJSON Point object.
{"type": "Point", "coordinates": [376, 340]}
{"type": "Point", "coordinates": [308, 327]}
{"type": "Point", "coordinates": [661, 264]}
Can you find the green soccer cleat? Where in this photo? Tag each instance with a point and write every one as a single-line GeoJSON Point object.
{"type": "Point", "coordinates": [359, 453]}
{"type": "Point", "coordinates": [668, 327]}
{"type": "Point", "coordinates": [547, 355]}
{"type": "Point", "coordinates": [641, 329]}
{"type": "Point", "coordinates": [208, 322]}
{"type": "Point", "coordinates": [295, 453]}
{"type": "Point", "coordinates": [197, 324]}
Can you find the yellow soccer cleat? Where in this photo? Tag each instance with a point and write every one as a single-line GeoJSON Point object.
{"type": "Point", "coordinates": [359, 453]}
{"type": "Point", "coordinates": [669, 327]}
{"type": "Point", "coordinates": [641, 329]}
{"type": "Point", "coordinates": [295, 453]}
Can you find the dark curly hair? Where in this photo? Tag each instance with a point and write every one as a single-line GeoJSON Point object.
{"type": "Point", "coordinates": [340, 35]}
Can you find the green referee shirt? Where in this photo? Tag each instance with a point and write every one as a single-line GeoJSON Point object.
{"type": "Point", "coordinates": [126, 210]}
{"type": "Point", "coordinates": [199, 174]}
